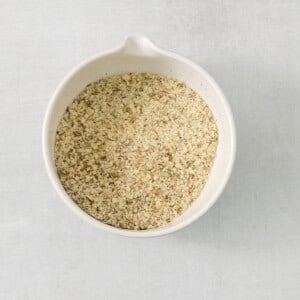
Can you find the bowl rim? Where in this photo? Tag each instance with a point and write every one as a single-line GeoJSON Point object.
{"type": "Point", "coordinates": [51, 170]}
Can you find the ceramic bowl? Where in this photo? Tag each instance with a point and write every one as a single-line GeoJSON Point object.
{"type": "Point", "coordinates": [139, 54]}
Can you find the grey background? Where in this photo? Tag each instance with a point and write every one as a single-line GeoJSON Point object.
{"type": "Point", "coordinates": [247, 246]}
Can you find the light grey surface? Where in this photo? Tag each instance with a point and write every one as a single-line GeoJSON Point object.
{"type": "Point", "coordinates": [247, 246]}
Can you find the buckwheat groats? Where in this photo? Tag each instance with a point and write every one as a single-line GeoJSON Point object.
{"type": "Point", "coordinates": [135, 150]}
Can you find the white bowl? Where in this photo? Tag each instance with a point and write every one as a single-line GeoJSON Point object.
{"type": "Point", "coordinates": [138, 54]}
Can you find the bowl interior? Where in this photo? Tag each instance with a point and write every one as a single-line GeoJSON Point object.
{"type": "Point", "coordinates": [165, 64]}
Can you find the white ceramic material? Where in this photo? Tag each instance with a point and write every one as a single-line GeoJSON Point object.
{"type": "Point", "coordinates": [138, 54]}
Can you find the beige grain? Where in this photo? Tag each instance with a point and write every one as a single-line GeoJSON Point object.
{"type": "Point", "coordinates": [135, 150]}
